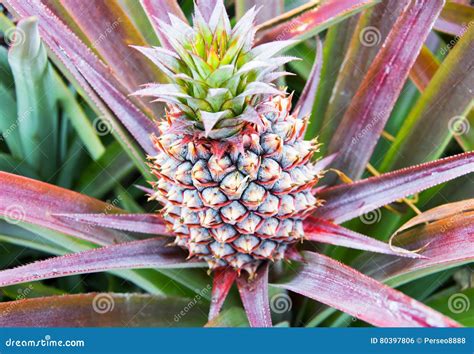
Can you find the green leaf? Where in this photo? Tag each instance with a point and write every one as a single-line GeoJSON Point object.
{"type": "Point", "coordinates": [101, 176]}
{"type": "Point", "coordinates": [10, 164]}
{"type": "Point", "coordinates": [37, 112]}
{"type": "Point", "coordinates": [459, 306]}
{"type": "Point", "coordinates": [81, 123]}
{"type": "Point", "coordinates": [425, 135]}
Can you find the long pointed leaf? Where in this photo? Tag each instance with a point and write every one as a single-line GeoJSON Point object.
{"type": "Point", "coordinates": [370, 108]}
{"type": "Point", "coordinates": [151, 253]}
{"type": "Point", "coordinates": [34, 202]}
{"type": "Point", "coordinates": [144, 223]}
{"type": "Point", "coordinates": [254, 294]}
{"type": "Point", "coordinates": [223, 281]}
{"type": "Point", "coordinates": [345, 202]}
{"type": "Point", "coordinates": [447, 242]}
{"type": "Point", "coordinates": [326, 232]}
{"type": "Point", "coordinates": [337, 285]}
{"type": "Point", "coordinates": [100, 310]}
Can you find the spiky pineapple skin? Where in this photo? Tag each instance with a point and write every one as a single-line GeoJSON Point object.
{"type": "Point", "coordinates": [246, 204]}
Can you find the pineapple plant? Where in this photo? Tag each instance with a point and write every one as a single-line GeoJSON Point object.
{"type": "Point", "coordinates": [233, 169]}
{"type": "Point", "coordinates": [245, 189]}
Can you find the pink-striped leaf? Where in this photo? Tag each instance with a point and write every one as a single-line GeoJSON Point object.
{"type": "Point", "coordinates": [159, 9]}
{"type": "Point", "coordinates": [326, 232]}
{"type": "Point", "coordinates": [151, 253]}
{"type": "Point", "coordinates": [312, 21]}
{"type": "Point", "coordinates": [100, 310]}
{"type": "Point", "coordinates": [305, 103]}
{"type": "Point", "coordinates": [344, 202]}
{"type": "Point", "coordinates": [454, 19]}
{"type": "Point", "coordinates": [447, 243]}
{"type": "Point", "coordinates": [364, 120]}
{"type": "Point", "coordinates": [223, 281]}
{"type": "Point", "coordinates": [254, 295]}
{"type": "Point", "coordinates": [27, 200]}
{"type": "Point", "coordinates": [337, 285]}
{"type": "Point", "coordinates": [144, 223]}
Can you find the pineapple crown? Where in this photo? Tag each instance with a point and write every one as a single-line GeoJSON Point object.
{"type": "Point", "coordinates": [216, 74]}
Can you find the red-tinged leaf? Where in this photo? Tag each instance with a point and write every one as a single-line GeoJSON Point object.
{"type": "Point", "coordinates": [131, 117]}
{"type": "Point", "coordinates": [368, 36]}
{"type": "Point", "coordinates": [454, 19]}
{"type": "Point", "coordinates": [305, 103]}
{"type": "Point", "coordinates": [206, 7]}
{"type": "Point", "coordinates": [441, 212]}
{"type": "Point", "coordinates": [26, 200]}
{"type": "Point", "coordinates": [423, 135]}
{"type": "Point", "coordinates": [446, 243]}
{"type": "Point", "coordinates": [364, 120]}
{"type": "Point", "coordinates": [313, 21]}
{"type": "Point", "coordinates": [326, 232]}
{"type": "Point", "coordinates": [111, 32]}
{"type": "Point", "coordinates": [223, 281]}
{"type": "Point", "coordinates": [61, 40]}
{"type": "Point", "coordinates": [254, 295]}
{"type": "Point", "coordinates": [144, 223]}
{"type": "Point", "coordinates": [344, 202]}
{"type": "Point", "coordinates": [424, 68]}
{"type": "Point", "coordinates": [337, 285]}
{"type": "Point", "coordinates": [100, 310]}
{"type": "Point", "coordinates": [159, 9]}
{"type": "Point", "coordinates": [151, 253]}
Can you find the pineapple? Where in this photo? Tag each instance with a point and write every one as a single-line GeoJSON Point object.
{"type": "Point", "coordinates": [234, 173]}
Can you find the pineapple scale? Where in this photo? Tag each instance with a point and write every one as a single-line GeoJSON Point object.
{"type": "Point", "coordinates": [243, 206]}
